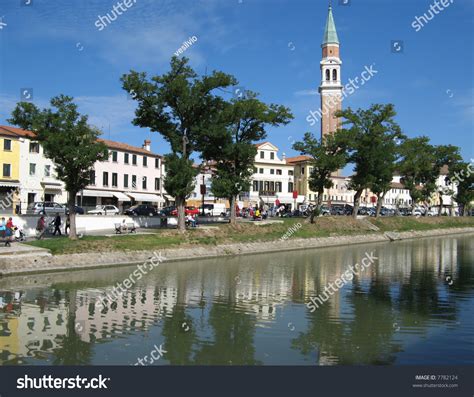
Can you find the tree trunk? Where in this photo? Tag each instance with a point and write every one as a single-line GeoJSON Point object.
{"type": "Point", "coordinates": [356, 203]}
{"type": "Point", "coordinates": [232, 210]}
{"type": "Point", "coordinates": [71, 203]}
{"type": "Point", "coordinates": [440, 204]}
{"type": "Point", "coordinates": [379, 204]}
{"type": "Point", "coordinates": [465, 211]}
{"type": "Point", "coordinates": [320, 198]}
{"type": "Point", "coordinates": [180, 203]}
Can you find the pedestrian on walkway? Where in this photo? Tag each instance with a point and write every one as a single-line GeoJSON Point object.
{"type": "Point", "coordinates": [57, 223]}
{"type": "Point", "coordinates": [68, 224]}
{"type": "Point", "coordinates": [40, 227]}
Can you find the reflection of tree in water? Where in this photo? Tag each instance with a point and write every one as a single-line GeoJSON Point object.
{"type": "Point", "coordinates": [234, 333]}
{"type": "Point", "coordinates": [73, 350]}
{"type": "Point", "coordinates": [365, 339]}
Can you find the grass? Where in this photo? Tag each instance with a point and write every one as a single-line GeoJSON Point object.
{"type": "Point", "coordinates": [247, 232]}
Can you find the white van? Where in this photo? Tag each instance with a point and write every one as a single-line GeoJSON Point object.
{"type": "Point", "coordinates": [216, 209]}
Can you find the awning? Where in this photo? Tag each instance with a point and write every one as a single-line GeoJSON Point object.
{"type": "Point", "coordinates": [121, 196]}
{"type": "Point", "coordinates": [51, 186]}
{"type": "Point", "coordinates": [146, 197]}
{"type": "Point", "coordinates": [168, 197]}
{"type": "Point", "coordinates": [95, 193]}
{"type": "Point", "coordinates": [9, 184]}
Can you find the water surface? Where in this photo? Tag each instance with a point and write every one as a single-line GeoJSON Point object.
{"type": "Point", "coordinates": [412, 306]}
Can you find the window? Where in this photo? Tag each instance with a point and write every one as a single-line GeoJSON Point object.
{"type": "Point", "coordinates": [126, 158]}
{"type": "Point", "coordinates": [290, 172]}
{"type": "Point", "coordinates": [260, 186]}
{"type": "Point", "coordinates": [255, 170]}
{"type": "Point", "coordinates": [134, 159]}
{"type": "Point", "coordinates": [260, 171]}
{"type": "Point", "coordinates": [279, 172]}
{"type": "Point", "coordinates": [272, 156]}
{"type": "Point", "coordinates": [7, 145]}
{"type": "Point", "coordinates": [334, 74]}
{"type": "Point", "coordinates": [157, 183]}
{"type": "Point", "coordinates": [145, 161]}
{"type": "Point", "coordinates": [157, 163]}
{"type": "Point", "coordinates": [92, 177]}
{"type": "Point", "coordinates": [144, 183]}
{"type": "Point", "coordinates": [114, 156]}
{"type": "Point", "coordinates": [278, 187]}
{"type": "Point", "coordinates": [47, 170]}
{"type": "Point", "coordinates": [302, 170]}
{"type": "Point", "coordinates": [266, 186]}
{"type": "Point", "coordinates": [290, 187]}
{"type": "Point", "coordinates": [272, 171]}
{"type": "Point", "coordinates": [255, 186]}
{"type": "Point", "coordinates": [328, 75]}
{"type": "Point", "coordinates": [262, 155]}
{"type": "Point", "coordinates": [114, 179]}
{"type": "Point", "coordinates": [311, 170]}
{"type": "Point", "coordinates": [134, 181]}
{"type": "Point", "coordinates": [32, 169]}
{"type": "Point", "coordinates": [7, 169]}
{"type": "Point", "coordinates": [125, 180]}
{"type": "Point", "coordinates": [105, 179]}
{"type": "Point", "coordinates": [34, 147]}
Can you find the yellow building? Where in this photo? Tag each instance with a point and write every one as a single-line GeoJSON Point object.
{"type": "Point", "coordinates": [9, 171]}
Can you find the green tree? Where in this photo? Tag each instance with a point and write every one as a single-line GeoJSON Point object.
{"type": "Point", "coordinates": [371, 133]}
{"type": "Point", "coordinates": [463, 179]}
{"type": "Point", "coordinates": [67, 140]}
{"type": "Point", "coordinates": [328, 155]}
{"type": "Point", "coordinates": [181, 107]}
{"type": "Point", "coordinates": [231, 143]}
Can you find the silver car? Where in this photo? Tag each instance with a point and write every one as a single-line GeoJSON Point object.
{"type": "Point", "coordinates": [105, 210]}
{"type": "Point", "coordinates": [45, 208]}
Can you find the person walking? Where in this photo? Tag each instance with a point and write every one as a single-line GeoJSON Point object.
{"type": "Point", "coordinates": [68, 224]}
{"type": "Point", "coordinates": [57, 223]}
{"type": "Point", "coordinates": [40, 227]}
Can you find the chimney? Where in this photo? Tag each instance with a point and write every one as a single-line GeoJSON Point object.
{"type": "Point", "coordinates": [147, 144]}
{"type": "Point", "coordinates": [283, 156]}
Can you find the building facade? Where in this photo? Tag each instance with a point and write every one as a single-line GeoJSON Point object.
{"type": "Point", "coordinates": [9, 171]}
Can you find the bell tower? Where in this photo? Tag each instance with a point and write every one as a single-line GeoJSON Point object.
{"type": "Point", "coordinates": [331, 87]}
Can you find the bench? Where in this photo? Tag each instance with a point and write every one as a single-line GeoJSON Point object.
{"type": "Point", "coordinates": [125, 227]}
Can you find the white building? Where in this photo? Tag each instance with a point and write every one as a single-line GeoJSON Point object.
{"type": "Point", "coordinates": [273, 178]}
{"type": "Point", "coordinates": [131, 175]}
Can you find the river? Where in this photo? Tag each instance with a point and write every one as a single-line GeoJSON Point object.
{"type": "Point", "coordinates": [412, 305]}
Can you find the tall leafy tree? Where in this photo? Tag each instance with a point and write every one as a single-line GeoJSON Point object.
{"type": "Point", "coordinates": [463, 179]}
{"type": "Point", "coordinates": [231, 143]}
{"type": "Point", "coordinates": [181, 107]}
{"type": "Point", "coordinates": [328, 155]}
{"type": "Point", "coordinates": [371, 132]}
{"type": "Point", "coordinates": [68, 140]}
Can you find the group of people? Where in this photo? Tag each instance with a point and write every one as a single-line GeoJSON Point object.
{"type": "Point", "coordinates": [56, 222]}
{"type": "Point", "coordinates": [7, 231]}
{"type": "Point", "coordinates": [258, 213]}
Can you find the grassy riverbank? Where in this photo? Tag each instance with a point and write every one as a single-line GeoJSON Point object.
{"type": "Point", "coordinates": [248, 232]}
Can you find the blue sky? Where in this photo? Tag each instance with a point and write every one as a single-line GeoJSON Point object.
{"type": "Point", "coordinates": [271, 46]}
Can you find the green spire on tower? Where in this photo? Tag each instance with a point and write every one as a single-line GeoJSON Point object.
{"type": "Point", "coordinates": [330, 34]}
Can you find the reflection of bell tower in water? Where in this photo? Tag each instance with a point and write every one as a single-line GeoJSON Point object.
{"type": "Point", "coordinates": [330, 88]}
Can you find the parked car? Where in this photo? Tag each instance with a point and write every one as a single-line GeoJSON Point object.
{"type": "Point", "coordinates": [141, 210]}
{"type": "Point", "coordinates": [216, 209]}
{"type": "Point", "coordinates": [167, 211]}
{"type": "Point", "coordinates": [187, 211]}
{"type": "Point", "coordinates": [324, 211]}
{"type": "Point", "coordinates": [45, 208]}
{"type": "Point", "coordinates": [78, 210]}
{"type": "Point", "coordinates": [105, 210]}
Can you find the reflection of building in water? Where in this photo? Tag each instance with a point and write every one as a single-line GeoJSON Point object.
{"type": "Point", "coordinates": [135, 309]}
{"type": "Point", "coordinates": [33, 329]}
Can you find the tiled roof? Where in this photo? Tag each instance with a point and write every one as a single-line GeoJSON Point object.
{"type": "Point", "coordinates": [13, 131]}
{"type": "Point", "coordinates": [126, 147]}
{"type": "Point", "coordinates": [298, 159]}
